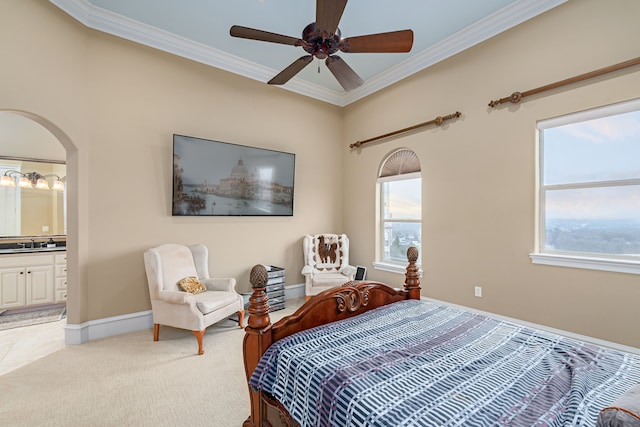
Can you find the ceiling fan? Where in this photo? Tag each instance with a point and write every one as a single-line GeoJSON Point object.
{"type": "Point", "coordinates": [322, 38]}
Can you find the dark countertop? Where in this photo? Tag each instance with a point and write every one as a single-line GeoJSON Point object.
{"type": "Point", "coordinates": [31, 250]}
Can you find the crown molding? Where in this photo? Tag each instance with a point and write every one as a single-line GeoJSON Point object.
{"type": "Point", "coordinates": [492, 25]}
{"type": "Point", "coordinates": [103, 20]}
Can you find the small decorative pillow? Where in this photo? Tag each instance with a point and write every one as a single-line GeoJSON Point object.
{"type": "Point", "coordinates": [192, 285]}
{"type": "Point", "coordinates": [623, 412]}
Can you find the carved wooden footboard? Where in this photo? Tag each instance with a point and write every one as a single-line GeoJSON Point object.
{"type": "Point", "coordinates": [329, 306]}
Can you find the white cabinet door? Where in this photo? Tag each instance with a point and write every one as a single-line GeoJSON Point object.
{"type": "Point", "coordinates": [12, 294]}
{"type": "Point", "coordinates": [40, 285]}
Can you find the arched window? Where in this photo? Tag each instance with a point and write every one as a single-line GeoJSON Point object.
{"type": "Point", "coordinates": [400, 209]}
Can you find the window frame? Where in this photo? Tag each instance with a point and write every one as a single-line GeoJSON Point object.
{"type": "Point", "coordinates": [594, 261]}
{"type": "Point", "coordinates": [381, 263]}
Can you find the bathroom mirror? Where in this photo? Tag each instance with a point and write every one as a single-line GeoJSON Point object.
{"type": "Point", "coordinates": [29, 211]}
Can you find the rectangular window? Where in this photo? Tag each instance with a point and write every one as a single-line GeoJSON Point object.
{"type": "Point", "coordinates": [401, 218]}
{"type": "Point", "coordinates": [589, 184]}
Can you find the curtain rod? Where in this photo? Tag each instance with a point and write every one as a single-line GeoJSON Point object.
{"type": "Point", "coordinates": [437, 121]}
{"type": "Point", "coordinates": [517, 96]}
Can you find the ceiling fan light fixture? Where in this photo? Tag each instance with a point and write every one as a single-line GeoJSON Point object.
{"type": "Point", "coordinates": [322, 38]}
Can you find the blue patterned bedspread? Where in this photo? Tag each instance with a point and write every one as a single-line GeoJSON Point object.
{"type": "Point", "coordinates": [417, 363]}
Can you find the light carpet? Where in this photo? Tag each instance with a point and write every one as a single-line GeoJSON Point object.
{"type": "Point", "coordinates": [130, 380]}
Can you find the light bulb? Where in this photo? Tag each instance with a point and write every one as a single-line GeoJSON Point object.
{"type": "Point", "coordinates": [41, 184]}
{"type": "Point", "coordinates": [7, 181]}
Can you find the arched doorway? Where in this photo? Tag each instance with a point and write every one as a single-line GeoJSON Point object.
{"type": "Point", "coordinates": [36, 130]}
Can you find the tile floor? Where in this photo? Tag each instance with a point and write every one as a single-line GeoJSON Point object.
{"type": "Point", "coordinates": [21, 346]}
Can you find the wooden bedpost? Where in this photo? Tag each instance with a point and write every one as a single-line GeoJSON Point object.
{"type": "Point", "coordinates": [257, 338]}
{"type": "Point", "coordinates": [412, 281]}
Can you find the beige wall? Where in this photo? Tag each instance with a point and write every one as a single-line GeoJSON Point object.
{"type": "Point", "coordinates": [114, 105]}
{"type": "Point", "coordinates": [479, 171]}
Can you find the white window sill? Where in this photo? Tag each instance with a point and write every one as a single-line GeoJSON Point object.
{"type": "Point", "coordinates": [573, 261]}
{"type": "Point", "coordinates": [393, 268]}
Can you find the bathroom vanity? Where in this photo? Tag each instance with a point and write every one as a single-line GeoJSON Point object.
{"type": "Point", "coordinates": [32, 276]}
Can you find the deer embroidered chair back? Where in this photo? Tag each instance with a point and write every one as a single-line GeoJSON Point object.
{"type": "Point", "coordinates": [326, 258]}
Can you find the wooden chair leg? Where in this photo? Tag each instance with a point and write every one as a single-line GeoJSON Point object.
{"type": "Point", "coordinates": [241, 318]}
{"type": "Point", "coordinates": [199, 336]}
{"type": "Point", "coordinates": [156, 331]}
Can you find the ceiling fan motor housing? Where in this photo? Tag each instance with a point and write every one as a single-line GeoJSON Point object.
{"type": "Point", "coordinates": [319, 43]}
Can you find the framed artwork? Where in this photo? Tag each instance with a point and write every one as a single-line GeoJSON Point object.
{"type": "Point", "coordinates": [213, 178]}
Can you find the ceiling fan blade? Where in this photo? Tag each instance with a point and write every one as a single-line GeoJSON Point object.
{"type": "Point", "coordinates": [328, 14]}
{"type": "Point", "coordinates": [347, 78]}
{"type": "Point", "coordinates": [293, 69]}
{"type": "Point", "coordinates": [395, 41]}
{"type": "Point", "coordinates": [265, 36]}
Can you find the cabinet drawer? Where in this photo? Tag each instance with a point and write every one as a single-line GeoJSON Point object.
{"type": "Point", "coordinates": [61, 270]}
{"type": "Point", "coordinates": [61, 258]}
{"type": "Point", "coordinates": [275, 280]}
{"type": "Point", "coordinates": [61, 295]}
{"type": "Point", "coordinates": [25, 260]}
{"type": "Point", "coordinates": [61, 283]}
{"type": "Point", "coordinates": [276, 307]}
{"type": "Point", "coordinates": [276, 287]}
{"type": "Point", "coordinates": [277, 300]}
{"type": "Point", "coordinates": [275, 294]}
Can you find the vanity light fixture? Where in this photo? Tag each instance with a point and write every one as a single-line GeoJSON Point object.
{"type": "Point", "coordinates": [30, 180]}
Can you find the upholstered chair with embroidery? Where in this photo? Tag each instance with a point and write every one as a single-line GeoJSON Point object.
{"type": "Point", "coordinates": [326, 258]}
{"type": "Point", "coordinates": [182, 293]}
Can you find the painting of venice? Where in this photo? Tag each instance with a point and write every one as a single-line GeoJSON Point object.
{"type": "Point", "coordinates": [223, 179]}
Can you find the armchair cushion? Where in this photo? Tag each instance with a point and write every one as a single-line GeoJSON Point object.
{"type": "Point", "coordinates": [214, 300]}
{"type": "Point", "coordinates": [329, 280]}
{"type": "Point", "coordinates": [192, 285]}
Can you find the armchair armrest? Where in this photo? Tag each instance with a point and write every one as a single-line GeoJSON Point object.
{"type": "Point", "coordinates": [350, 271]}
{"type": "Point", "coordinates": [227, 284]}
{"type": "Point", "coordinates": [176, 297]}
{"type": "Point", "coordinates": [307, 269]}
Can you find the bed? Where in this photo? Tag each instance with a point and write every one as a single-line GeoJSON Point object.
{"type": "Point", "coordinates": [366, 354]}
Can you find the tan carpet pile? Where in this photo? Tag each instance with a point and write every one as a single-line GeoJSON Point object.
{"type": "Point", "coordinates": [130, 380]}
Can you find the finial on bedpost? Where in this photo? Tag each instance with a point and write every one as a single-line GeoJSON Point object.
{"type": "Point", "coordinates": [259, 302]}
{"type": "Point", "coordinates": [257, 339]}
{"type": "Point", "coordinates": [412, 281]}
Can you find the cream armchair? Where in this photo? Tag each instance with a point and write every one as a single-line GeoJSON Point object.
{"type": "Point", "coordinates": [326, 258]}
{"type": "Point", "coordinates": [169, 263]}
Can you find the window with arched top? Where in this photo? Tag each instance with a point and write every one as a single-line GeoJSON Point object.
{"type": "Point", "coordinates": [400, 210]}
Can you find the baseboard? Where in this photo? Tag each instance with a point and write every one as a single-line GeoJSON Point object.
{"type": "Point", "coordinates": [124, 324]}
{"type": "Point", "coordinates": [107, 327]}
{"type": "Point", "coordinates": [294, 291]}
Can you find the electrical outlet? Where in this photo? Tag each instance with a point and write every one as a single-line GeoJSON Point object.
{"type": "Point", "coordinates": [478, 291]}
{"type": "Point", "coordinates": [45, 228]}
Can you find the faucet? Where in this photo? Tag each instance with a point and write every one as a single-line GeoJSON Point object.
{"type": "Point", "coordinates": [33, 243]}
